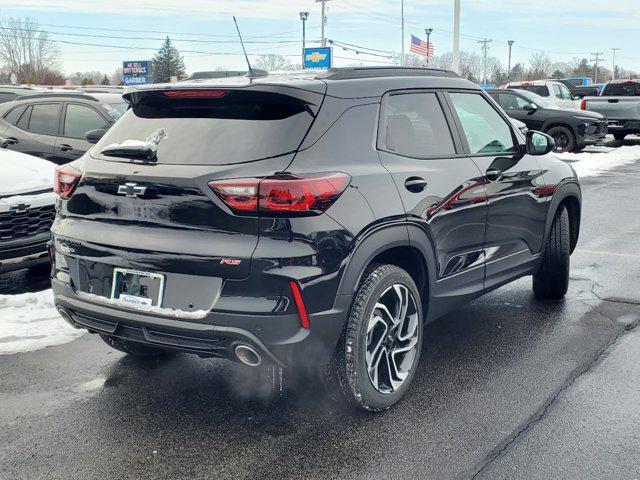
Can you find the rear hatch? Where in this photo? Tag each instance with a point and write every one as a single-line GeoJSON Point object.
{"type": "Point", "coordinates": [160, 215]}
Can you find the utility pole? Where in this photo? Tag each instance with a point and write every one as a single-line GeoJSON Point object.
{"type": "Point", "coordinates": [402, 30]}
{"type": "Point", "coordinates": [456, 36]}
{"type": "Point", "coordinates": [510, 42]}
{"type": "Point", "coordinates": [428, 31]}
{"type": "Point", "coordinates": [597, 61]}
{"type": "Point", "coordinates": [324, 21]}
{"type": "Point", "coordinates": [613, 71]}
{"type": "Point", "coordinates": [485, 50]}
{"type": "Point", "coordinates": [304, 16]}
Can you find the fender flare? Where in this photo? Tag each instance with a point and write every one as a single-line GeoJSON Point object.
{"type": "Point", "coordinates": [564, 191]}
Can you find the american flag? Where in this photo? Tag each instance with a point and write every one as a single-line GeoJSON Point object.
{"type": "Point", "coordinates": [421, 48]}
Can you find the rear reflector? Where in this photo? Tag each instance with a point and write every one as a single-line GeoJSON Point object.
{"type": "Point", "coordinates": [297, 298]}
{"type": "Point", "coordinates": [309, 194]}
{"type": "Point", "coordinates": [195, 93]}
{"type": "Point", "coordinates": [66, 179]}
{"type": "Point", "coordinates": [583, 105]}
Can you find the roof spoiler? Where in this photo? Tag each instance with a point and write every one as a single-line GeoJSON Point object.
{"type": "Point", "coordinates": [226, 73]}
{"type": "Point", "coordinates": [373, 72]}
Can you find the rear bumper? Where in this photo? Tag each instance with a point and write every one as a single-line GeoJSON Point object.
{"type": "Point", "coordinates": [25, 253]}
{"type": "Point", "coordinates": [279, 339]}
{"type": "Point", "coordinates": [624, 126]}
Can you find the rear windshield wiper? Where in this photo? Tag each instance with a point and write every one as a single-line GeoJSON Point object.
{"type": "Point", "coordinates": [133, 149]}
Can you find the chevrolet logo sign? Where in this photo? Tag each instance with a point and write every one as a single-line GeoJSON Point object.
{"type": "Point", "coordinates": [131, 190]}
{"type": "Point", "coordinates": [315, 57]}
{"type": "Point", "coordinates": [19, 207]}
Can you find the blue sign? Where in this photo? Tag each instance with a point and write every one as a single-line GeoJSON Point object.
{"type": "Point", "coordinates": [140, 67]}
{"type": "Point", "coordinates": [315, 58]}
{"type": "Point", "coordinates": [136, 80]}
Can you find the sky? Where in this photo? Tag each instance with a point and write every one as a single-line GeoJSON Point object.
{"type": "Point", "coordinates": [203, 30]}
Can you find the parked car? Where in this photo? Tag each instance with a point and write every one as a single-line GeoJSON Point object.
{"type": "Point", "coordinates": [553, 91]}
{"type": "Point", "coordinates": [257, 221]}
{"type": "Point", "coordinates": [27, 210]}
{"type": "Point", "coordinates": [53, 126]}
{"type": "Point", "coordinates": [620, 103]}
{"type": "Point", "coordinates": [572, 130]}
{"type": "Point", "coordinates": [12, 92]}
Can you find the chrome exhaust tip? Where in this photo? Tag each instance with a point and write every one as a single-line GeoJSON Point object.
{"type": "Point", "coordinates": [66, 317]}
{"type": "Point", "coordinates": [247, 355]}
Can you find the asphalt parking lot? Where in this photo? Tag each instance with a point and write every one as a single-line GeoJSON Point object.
{"type": "Point", "coordinates": [508, 387]}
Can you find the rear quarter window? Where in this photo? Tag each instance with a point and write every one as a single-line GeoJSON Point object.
{"type": "Point", "coordinates": [541, 90]}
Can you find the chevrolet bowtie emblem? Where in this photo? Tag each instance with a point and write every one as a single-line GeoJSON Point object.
{"type": "Point", "coordinates": [315, 57]}
{"type": "Point", "coordinates": [19, 207]}
{"type": "Point", "coordinates": [131, 190]}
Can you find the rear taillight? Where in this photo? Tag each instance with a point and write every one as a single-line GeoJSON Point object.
{"type": "Point", "coordinates": [195, 93]}
{"type": "Point", "coordinates": [310, 194]}
{"type": "Point", "coordinates": [66, 180]}
{"type": "Point", "coordinates": [583, 105]}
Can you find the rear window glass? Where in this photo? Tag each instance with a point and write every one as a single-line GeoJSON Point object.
{"type": "Point", "coordinates": [541, 90]}
{"type": "Point", "coordinates": [45, 118]}
{"type": "Point", "coordinates": [14, 114]}
{"type": "Point", "coordinates": [240, 126]}
{"type": "Point", "coordinates": [631, 89]}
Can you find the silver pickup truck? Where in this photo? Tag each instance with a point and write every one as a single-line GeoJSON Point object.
{"type": "Point", "coordinates": [620, 103]}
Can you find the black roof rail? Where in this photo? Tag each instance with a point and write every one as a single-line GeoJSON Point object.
{"type": "Point", "coordinates": [373, 72]}
{"type": "Point", "coordinates": [57, 94]}
{"type": "Point", "coordinates": [226, 73]}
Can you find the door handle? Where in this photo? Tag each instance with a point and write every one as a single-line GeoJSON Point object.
{"type": "Point", "coordinates": [493, 174]}
{"type": "Point", "coordinates": [64, 147]}
{"type": "Point", "coordinates": [12, 141]}
{"type": "Point", "coordinates": [415, 184]}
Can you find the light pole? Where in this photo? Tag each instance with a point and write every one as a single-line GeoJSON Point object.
{"type": "Point", "coordinates": [456, 36]}
{"type": "Point", "coordinates": [304, 16]}
{"type": "Point", "coordinates": [402, 30]}
{"type": "Point", "coordinates": [324, 22]}
{"type": "Point", "coordinates": [428, 31]}
{"type": "Point", "coordinates": [510, 42]}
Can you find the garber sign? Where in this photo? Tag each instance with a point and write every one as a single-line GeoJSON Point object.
{"type": "Point", "coordinates": [136, 72]}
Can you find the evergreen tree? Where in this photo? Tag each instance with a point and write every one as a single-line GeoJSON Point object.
{"type": "Point", "coordinates": [105, 80]}
{"type": "Point", "coordinates": [167, 63]}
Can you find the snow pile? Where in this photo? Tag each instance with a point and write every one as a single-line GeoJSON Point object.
{"type": "Point", "coordinates": [29, 322]}
{"type": "Point", "coordinates": [597, 160]}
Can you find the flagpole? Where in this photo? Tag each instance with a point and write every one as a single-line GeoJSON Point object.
{"type": "Point", "coordinates": [402, 29]}
{"type": "Point", "coordinates": [456, 36]}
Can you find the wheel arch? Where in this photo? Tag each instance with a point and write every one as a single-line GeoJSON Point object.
{"type": "Point", "coordinates": [554, 122]}
{"type": "Point", "coordinates": [569, 196]}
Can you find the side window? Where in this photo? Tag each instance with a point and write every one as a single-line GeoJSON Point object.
{"type": "Point", "coordinates": [7, 97]}
{"type": "Point", "coordinates": [79, 119]}
{"type": "Point", "coordinates": [486, 131]}
{"type": "Point", "coordinates": [511, 101]}
{"type": "Point", "coordinates": [45, 118]}
{"type": "Point", "coordinates": [23, 122]}
{"type": "Point", "coordinates": [14, 114]}
{"type": "Point", "coordinates": [556, 91]}
{"type": "Point", "coordinates": [566, 94]}
{"type": "Point", "coordinates": [415, 126]}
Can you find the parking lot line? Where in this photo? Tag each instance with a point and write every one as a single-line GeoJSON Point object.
{"type": "Point", "coordinates": [614, 254]}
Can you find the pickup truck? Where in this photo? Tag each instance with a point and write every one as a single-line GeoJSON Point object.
{"type": "Point", "coordinates": [620, 103]}
{"type": "Point", "coordinates": [551, 90]}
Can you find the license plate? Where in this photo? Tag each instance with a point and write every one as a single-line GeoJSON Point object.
{"type": "Point", "coordinates": [136, 288]}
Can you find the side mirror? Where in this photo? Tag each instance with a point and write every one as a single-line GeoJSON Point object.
{"type": "Point", "coordinates": [539, 143]}
{"type": "Point", "coordinates": [4, 143]}
{"type": "Point", "coordinates": [530, 108]}
{"type": "Point", "coordinates": [94, 136]}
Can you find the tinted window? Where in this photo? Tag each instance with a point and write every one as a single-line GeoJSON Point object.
{"type": "Point", "coordinates": [79, 119]}
{"type": "Point", "coordinates": [7, 97]}
{"type": "Point", "coordinates": [486, 131]}
{"type": "Point", "coordinates": [511, 102]}
{"type": "Point", "coordinates": [23, 121]}
{"type": "Point", "coordinates": [627, 89]}
{"type": "Point", "coordinates": [415, 126]}
{"type": "Point", "coordinates": [45, 118]}
{"type": "Point", "coordinates": [238, 126]}
{"type": "Point", "coordinates": [14, 114]}
{"type": "Point", "coordinates": [541, 90]}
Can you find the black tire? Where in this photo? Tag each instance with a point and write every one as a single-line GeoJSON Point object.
{"type": "Point", "coordinates": [551, 281]}
{"type": "Point", "coordinates": [135, 349]}
{"type": "Point", "coordinates": [347, 377]}
{"type": "Point", "coordinates": [563, 136]}
{"type": "Point", "coordinates": [619, 137]}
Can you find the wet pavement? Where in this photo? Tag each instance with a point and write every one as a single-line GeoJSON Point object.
{"type": "Point", "coordinates": [508, 387]}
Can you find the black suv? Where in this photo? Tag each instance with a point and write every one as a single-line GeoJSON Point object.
{"type": "Point", "coordinates": [54, 126]}
{"type": "Point", "coordinates": [572, 130]}
{"type": "Point", "coordinates": [302, 221]}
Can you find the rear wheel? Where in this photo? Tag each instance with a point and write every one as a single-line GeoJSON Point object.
{"type": "Point", "coordinates": [379, 350]}
{"type": "Point", "coordinates": [619, 136]}
{"type": "Point", "coordinates": [133, 348]}
{"type": "Point", "coordinates": [564, 139]}
{"type": "Point", "coordinates": [551, 281]}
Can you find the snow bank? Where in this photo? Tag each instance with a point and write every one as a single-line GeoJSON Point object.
{"type": "Point", "coordinates": [597, 160]}
{"type": "Point", "coordinates": [29, 322]}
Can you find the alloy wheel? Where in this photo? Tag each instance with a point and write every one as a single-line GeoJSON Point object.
{"type": "Point", "coordinates": [392, 339]}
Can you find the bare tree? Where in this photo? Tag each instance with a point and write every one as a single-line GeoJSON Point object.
{"type": "Point", "coordinates": [272, 63]}
{"type": "Point", "coordinates": [26, 50]}
{"type": "Point", "coordinates": [540, 65]}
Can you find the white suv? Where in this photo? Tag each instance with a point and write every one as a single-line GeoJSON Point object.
{"type": "Point", "coordinates": [555, 92]}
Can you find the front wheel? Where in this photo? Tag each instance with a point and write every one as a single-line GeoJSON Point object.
{"type": "Point", "coordinates": [379, 350]}
{"type": "Point", "coordinates": [565, 140]}
{"type": "Point", "coordinates": [551, 281]}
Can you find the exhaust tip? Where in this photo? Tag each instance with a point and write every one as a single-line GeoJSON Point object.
{"type": "Point", "coordinates": [247, 355]}
{"type": "Point", "coordinates": [65, 316]}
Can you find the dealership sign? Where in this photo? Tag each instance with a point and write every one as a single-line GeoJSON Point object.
{"type": "Point", "coordinates": [136, 72]}
{"type": "Point", "coordinates": [317, 57]}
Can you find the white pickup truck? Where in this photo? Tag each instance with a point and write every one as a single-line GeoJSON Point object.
{"type": "Point", "coordinates": [620, 103]}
